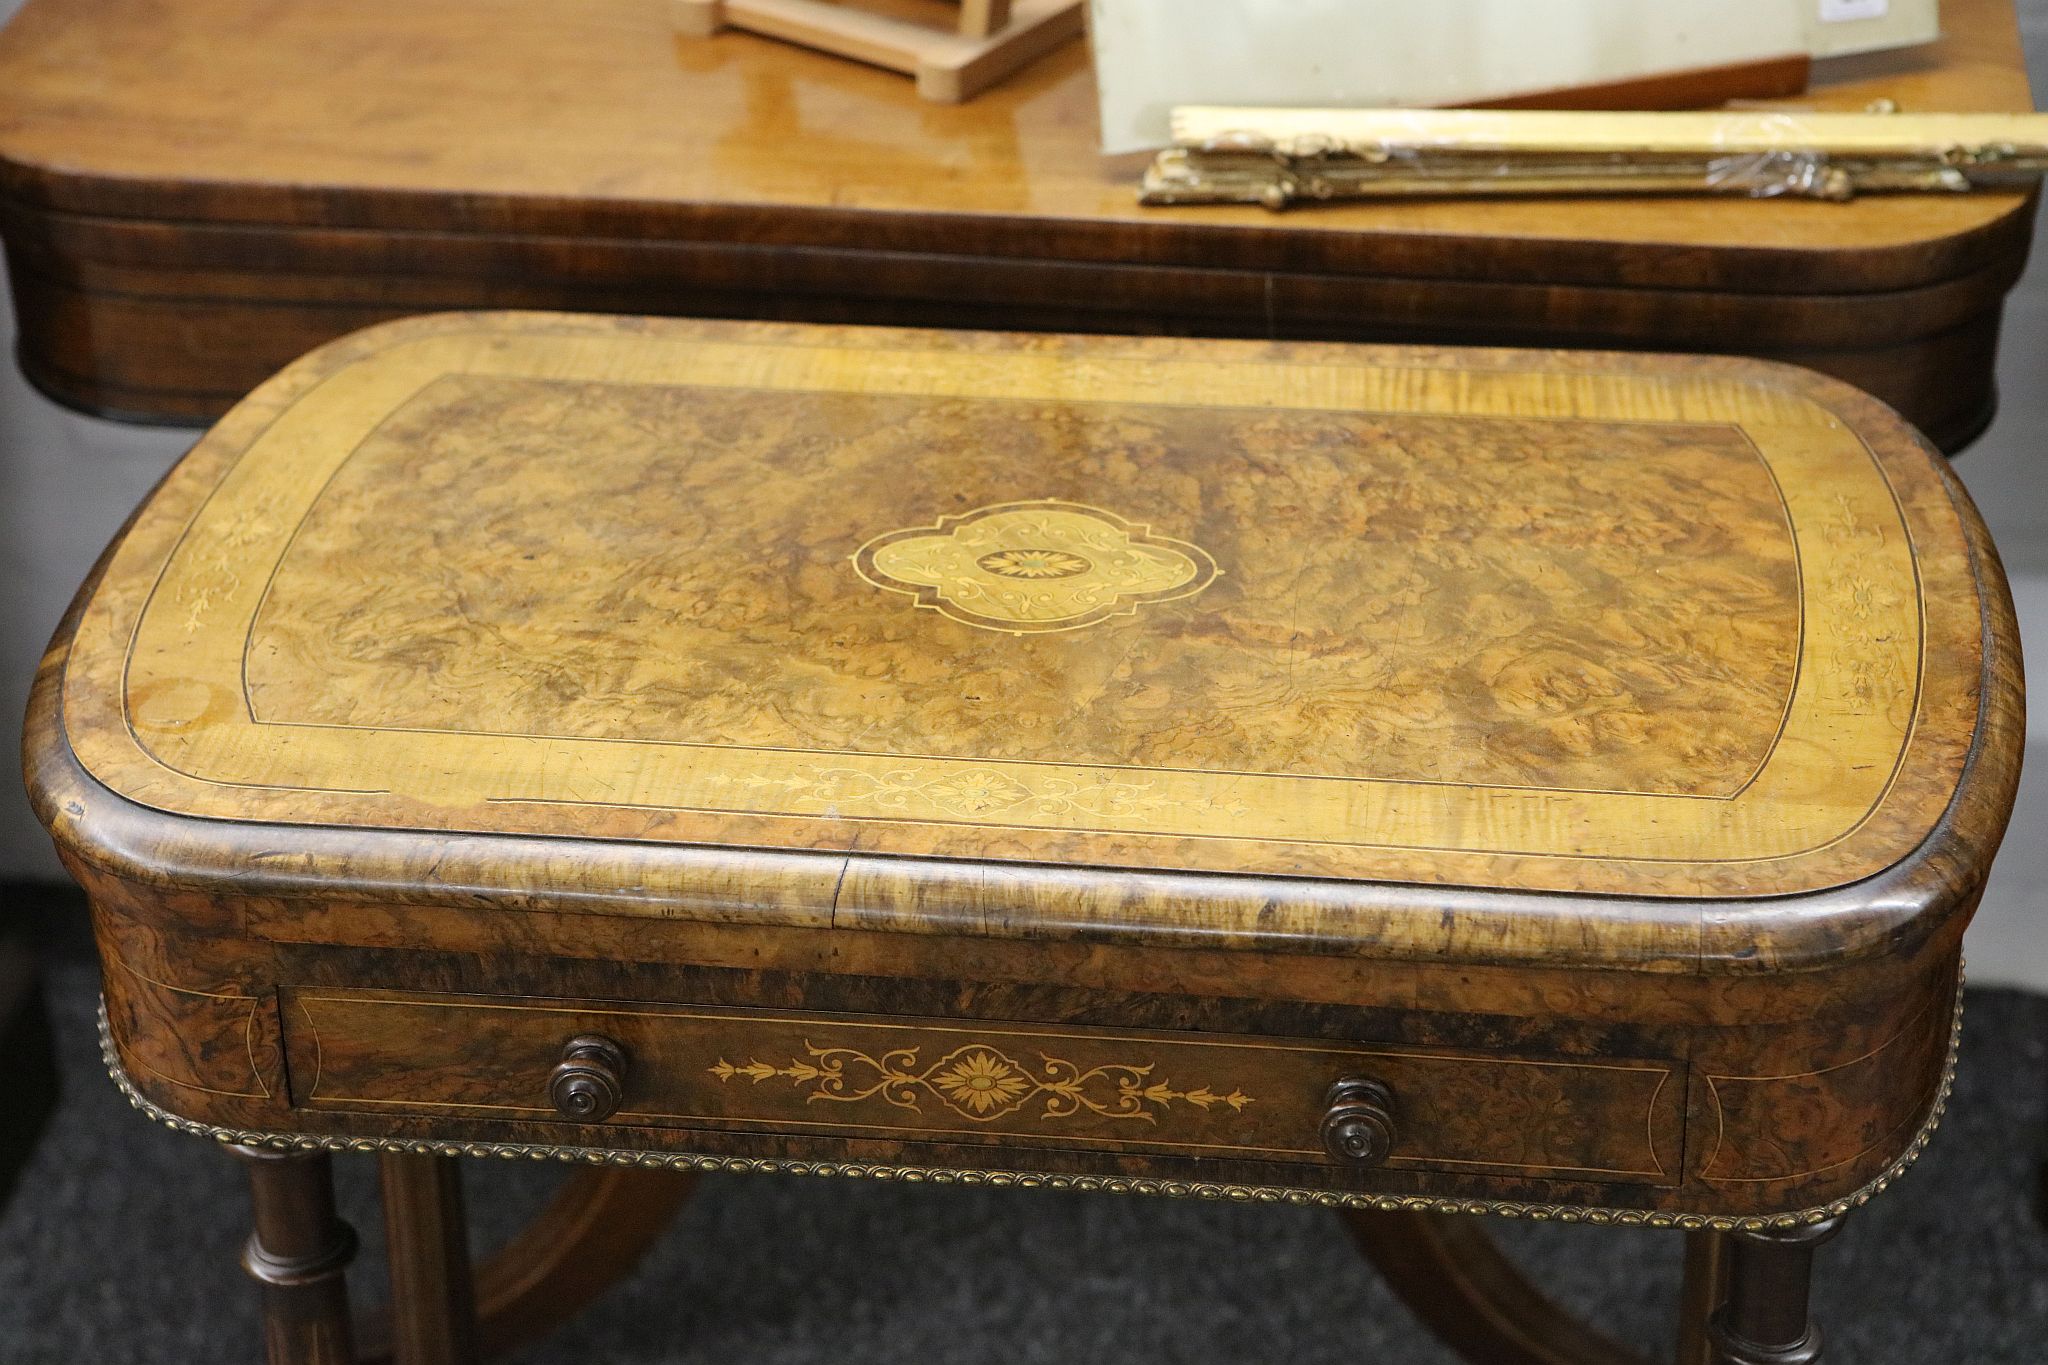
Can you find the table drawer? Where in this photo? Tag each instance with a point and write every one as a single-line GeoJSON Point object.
{"type": "Point", "coordinates": [1005, 1084]}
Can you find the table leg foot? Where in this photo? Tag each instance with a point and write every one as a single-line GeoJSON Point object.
{"type": "Point", "coordinates": [1765, 1319]}
{"type": "Point", "coordinates": [299, 1252]}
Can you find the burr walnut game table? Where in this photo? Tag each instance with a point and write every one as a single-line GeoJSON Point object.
{"type": "Point", "coordinates": [1420, 783]}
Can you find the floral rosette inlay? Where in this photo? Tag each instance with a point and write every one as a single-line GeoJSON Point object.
{"type": "Point", "coordinates": [981, 1082]}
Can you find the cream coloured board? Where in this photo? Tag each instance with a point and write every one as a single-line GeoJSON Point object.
{"type": "Point", "coordinates": [1152, 55]}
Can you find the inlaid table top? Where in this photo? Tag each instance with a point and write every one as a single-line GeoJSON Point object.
{"type": "Point", "coordinates": [1201, 641]}
{"type": "Point", "coordinates": [1409, 781]}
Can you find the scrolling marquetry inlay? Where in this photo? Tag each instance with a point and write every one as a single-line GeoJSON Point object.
{"type": "Point", "coordinates": [1598, 1215]}
{"type": "Point", "coordinates": [709, 1067]}
{"type": "Point", "coordinates": [1035, 566]}
{"type": "Point", "coordinates": [980, 1082]}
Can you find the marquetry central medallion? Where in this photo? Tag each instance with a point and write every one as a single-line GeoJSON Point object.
{"type": "Point", "coordinates": [1035, 566]}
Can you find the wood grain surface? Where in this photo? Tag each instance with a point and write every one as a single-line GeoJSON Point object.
{"type": "Point", "coordinates": [193, 196]}
{"type": "Point", "coordinates": [473, 557]}
{"type": "Point", "coordinates": [302, 102]}
{"type": "Point", "coordinates": [545, 576]}
{"type": "Point", "coordinates": [1667, 1096]}
{"type": "Point", "coordinates": [982, 1084]}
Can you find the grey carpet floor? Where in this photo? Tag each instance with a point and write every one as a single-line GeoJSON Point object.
{"type": "Point", "coordinates": [120, 1244]}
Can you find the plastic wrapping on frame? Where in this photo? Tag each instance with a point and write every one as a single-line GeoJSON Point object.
{"type": "Point", "coordinates": [1405, 171]}
{"type": "Point", "coordinates": [1768, 175]}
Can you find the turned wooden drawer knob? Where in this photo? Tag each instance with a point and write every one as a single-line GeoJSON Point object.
{"type": "Point", "coordinates": [589, 1081]}
{"type": "Point", "coordinates": [1358, 1126]}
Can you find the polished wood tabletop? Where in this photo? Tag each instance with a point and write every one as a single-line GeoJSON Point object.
{"type": "Point", "coordinates": [193, 195]}
{"type": "Point", "coordinates": [249, 109]}
{"type": "Point", "coordinates": [1412, 781]}
{"type": "Point", "coordinates": [1241, 608]}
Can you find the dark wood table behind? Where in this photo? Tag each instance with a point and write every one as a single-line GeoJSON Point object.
{"type": "Point", "coordinates": [191, 195]}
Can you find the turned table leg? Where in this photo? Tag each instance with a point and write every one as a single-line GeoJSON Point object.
{"type": "Point", "coordinates": [1764, 1320]}
{"type": "Point", "coordinates": [1743, 1303]}
{"type": "Point", "coordinates": [299, 1252]}
{"type": "Point", "coordinates": [600, 1222]}
{"type": "Point", "coordinates": [433, 1296]}
{"type": "Point", "coordinates": [1705, 1289]}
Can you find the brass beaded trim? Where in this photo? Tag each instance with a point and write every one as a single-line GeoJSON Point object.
{"type": "Point", "coordinates": [1024, 1180]}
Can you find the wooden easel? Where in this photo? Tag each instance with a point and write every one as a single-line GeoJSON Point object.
{"type": "Point", "coordinates": [993, 39]}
